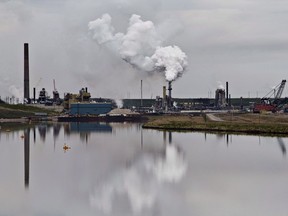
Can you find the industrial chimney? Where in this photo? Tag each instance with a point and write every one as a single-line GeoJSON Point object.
{"type": "Point", "coordinates": [170, 94]}
{"type": "Point", "coordinates": [227, 94]}
{"type": "Point", "coordinates": [164, 97]}
{"type": "Point", "coordinates": [26, 73]}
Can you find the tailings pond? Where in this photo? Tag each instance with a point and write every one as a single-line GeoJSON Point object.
{"type": "Point", "coordinates": [119, 169]}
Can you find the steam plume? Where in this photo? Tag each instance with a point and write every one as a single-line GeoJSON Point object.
{"type": "Point", "coordinates": [220, 85]}
{"type": "Point", "coordinates": [141, 46]}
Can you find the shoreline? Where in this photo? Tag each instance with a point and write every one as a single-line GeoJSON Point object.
{"type": "Point", "coordinates": [14, 120]}
{"type": "Point", "coordinates": [254, 124]}
{"type": "Point", "coordinates": [258, 130]}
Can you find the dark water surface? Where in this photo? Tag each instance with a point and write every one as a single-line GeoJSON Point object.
{"type": "Point", "coordinates": [120, 169]}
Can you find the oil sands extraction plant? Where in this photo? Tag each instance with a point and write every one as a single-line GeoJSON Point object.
{"type": "Point", "coordinates": [81, 104]}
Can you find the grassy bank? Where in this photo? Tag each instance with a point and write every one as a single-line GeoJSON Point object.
{"type": "Point", "coordinates": [272, 124]}
{"type": "Point", "coordinates": [18, 111]}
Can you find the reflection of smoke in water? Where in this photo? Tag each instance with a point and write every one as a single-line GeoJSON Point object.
{"type": "Point", "coordinates": [141, 182]}
{"type": "Point", "coordinates": [173, 168]}
{"type": "Point", "coordinates": [141, 46]}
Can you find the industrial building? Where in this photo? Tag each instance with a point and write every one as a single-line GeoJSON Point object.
{"type": "Point", "coordinates": [220, 100]}
{"type": "Point", "coordinates": [82, 104]}
{"type": "Point", "coordinates": [89, 108]}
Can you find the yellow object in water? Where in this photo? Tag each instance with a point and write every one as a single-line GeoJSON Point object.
{"type": "Point", "coordinates": [66, 147]}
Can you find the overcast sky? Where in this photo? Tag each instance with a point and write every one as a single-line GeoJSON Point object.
{"type": "Point", "coordinates": [244, 42]}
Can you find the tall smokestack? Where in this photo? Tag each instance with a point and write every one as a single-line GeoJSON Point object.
{"type": "Point", "coordinates": [227, 94]}
{"type": "Point", "coordinates": [26, 72]}
{"type": "Point", "coordinates": [141, 94]}
{"type": "Point", "coordinates": [164, 97]}
{"type": "Point", "coordinates": [34, 95]}
{"type": "Point", "coordinates": [170, 94]}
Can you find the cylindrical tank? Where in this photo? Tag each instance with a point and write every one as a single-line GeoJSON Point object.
{"type": "Point", "coordinates": [220, 100]}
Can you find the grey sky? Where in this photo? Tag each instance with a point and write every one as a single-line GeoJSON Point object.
{"type": "Point", "coordinates": [240, 41]}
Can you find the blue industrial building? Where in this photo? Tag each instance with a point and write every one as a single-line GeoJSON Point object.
{"type": "Point", "coordinates": [90, 108]}
{"type": "Point", "coordinates": [90, 127]}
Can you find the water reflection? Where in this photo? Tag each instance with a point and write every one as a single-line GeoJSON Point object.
{"type": "Point", "coordinates": [125, 170]}
{"type": "Point", "coordinates": [43, 130]}
{"type": "Point", "coordinates": [228, 139]}
{"type": "Point", "coordinates": [90, 127]}
{"type": "Point", "coordinates": [84, 129]}
{"type": "Point", "coordinates": [145, 161]}
{"type": "Point", "coordinates": [26, 156]}
{"type": "Point", "coordinates": [56, 130]}
{"type": "Point", "coordinates": [282, 145]}
{"type": "Point", "coordinates": [81, 128]}
{"type": "Point", "coordinates": [141, 182]}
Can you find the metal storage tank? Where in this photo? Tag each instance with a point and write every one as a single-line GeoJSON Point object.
{"type": "Point", "coordinates": [220, 101]}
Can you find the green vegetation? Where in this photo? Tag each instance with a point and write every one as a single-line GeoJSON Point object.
{"type": "Point", "coordinates": [249, 123]}
{"type": "Point", "coordinates": [18, 111]}
{"type": "Point", "coordinates": [272, 124]}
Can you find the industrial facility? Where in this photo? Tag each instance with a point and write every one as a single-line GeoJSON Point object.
{"type": "Point", "coordinates": [82, 104]}
{"type": "Point", "coordinates": [166, 102]}
{"type": "Point", "coordinates": [73, 104]}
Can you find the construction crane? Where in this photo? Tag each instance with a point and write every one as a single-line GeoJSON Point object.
{"type": "Point", "coordinates": [272, 101]}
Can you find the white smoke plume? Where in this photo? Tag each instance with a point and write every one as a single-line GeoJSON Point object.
{"type": "Point", "coordinates": [119, 103]}
{"type": "Point", "coordinates": [220, 85]}
{"type": "Point", "coordinates": [141, 46]}
{"type": "Point", "coordinates": [15, 91]}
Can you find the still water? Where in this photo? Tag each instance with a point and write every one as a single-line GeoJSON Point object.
{"type": "Point", "coordinates": [120, 169]}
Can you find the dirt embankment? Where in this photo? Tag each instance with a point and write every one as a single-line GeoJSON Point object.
{"type": "Point", "coordinates": [225, 122]}
{"type": "Point", "coordinates": [9, 112]}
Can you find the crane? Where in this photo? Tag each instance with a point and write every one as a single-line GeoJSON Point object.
{"type": "Point", "coordinates": [272, 100]}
